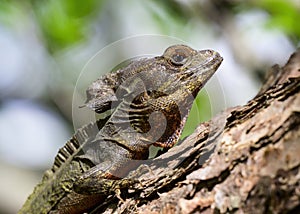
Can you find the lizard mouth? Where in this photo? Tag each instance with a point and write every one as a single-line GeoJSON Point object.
{"type": "Point", "coordinates": [212, 59]}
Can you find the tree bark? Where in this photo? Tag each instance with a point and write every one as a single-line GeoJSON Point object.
{"type": "Point", "coordinates": [245, 160]}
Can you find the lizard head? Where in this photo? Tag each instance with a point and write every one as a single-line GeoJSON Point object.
{"type": "Point", "coordinates": [190, 68]}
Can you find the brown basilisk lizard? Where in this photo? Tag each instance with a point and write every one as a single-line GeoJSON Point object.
{"type": "Point", "coordinates": [151, 99]}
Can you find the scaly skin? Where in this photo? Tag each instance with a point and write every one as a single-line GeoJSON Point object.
{"type": "Point", "coordinates": [152, 98]}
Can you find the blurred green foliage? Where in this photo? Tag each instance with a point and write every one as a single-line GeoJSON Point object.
{"type": "Point", "coordinates": [8, 12]}
{"type": "Point", "coordinates": [65, 22]}
{"type": "Point", "coordinates": [284, 14]}
{"type": "Point", "coordinates": [170, 12]}
{"type": "Point", "coordinates": [200, 112]}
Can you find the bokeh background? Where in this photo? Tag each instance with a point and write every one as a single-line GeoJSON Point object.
{"type": "Point", "coordinates": [44, 45]}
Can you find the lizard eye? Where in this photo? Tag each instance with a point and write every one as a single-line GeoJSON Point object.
{"type": "Point", "coordinates": [178, 55]}
{"type": "Point", "coordinates": [178, 59]}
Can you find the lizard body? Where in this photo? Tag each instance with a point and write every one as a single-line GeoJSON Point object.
{"type": "Point", "coordinates": [151, 98]}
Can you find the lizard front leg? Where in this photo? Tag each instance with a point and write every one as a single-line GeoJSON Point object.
{"type": "Point", "coordinates": [102, 183]}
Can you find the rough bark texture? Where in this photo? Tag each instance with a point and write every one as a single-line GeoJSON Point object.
{"type": "Point", "coordinates": [245, 160]}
